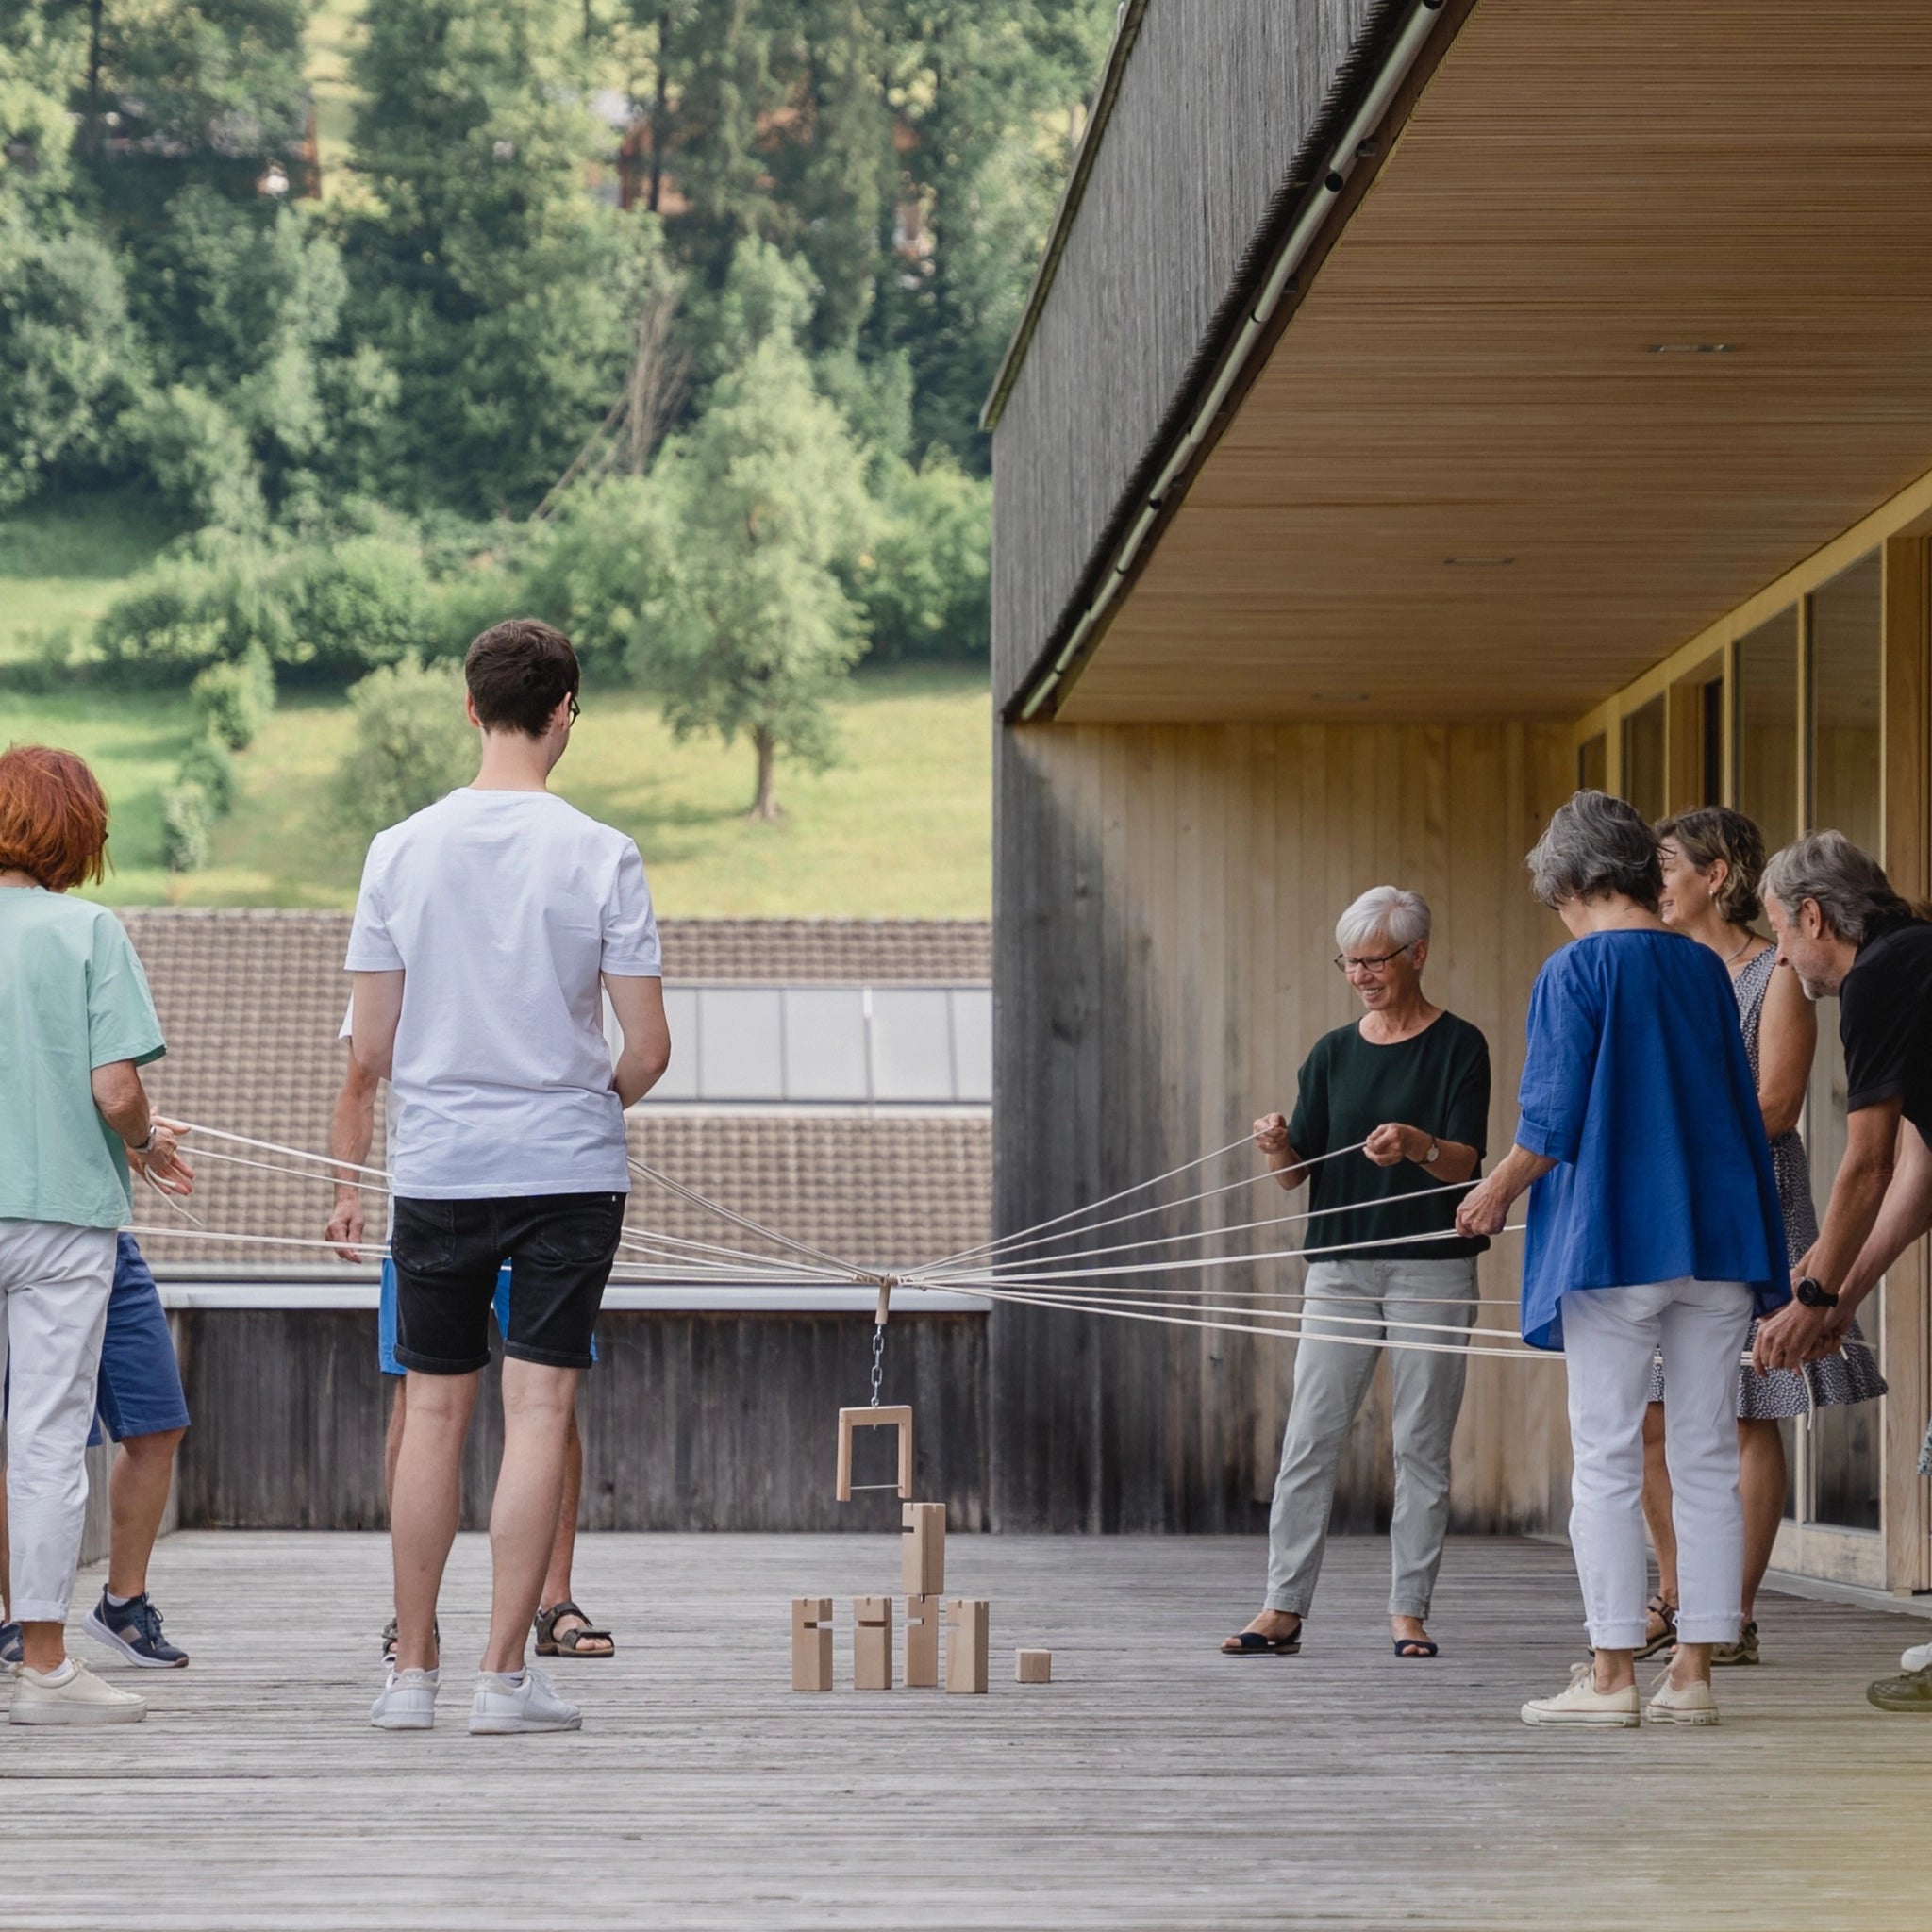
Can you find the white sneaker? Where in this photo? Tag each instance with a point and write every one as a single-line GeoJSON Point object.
{"type": "Point", "coordinates": [1917, 1658]}
{"type": "Point", "coordinates": [503, 1705]}
{"type": "Point", "coordinates": [407, 1702]}
{"type": "Point", "coordinates": [72, 1695]}
{"type": "Point", "coordinates": [1583, 1704]}
{"type": "Point", "coordinates": [1691, 1705]}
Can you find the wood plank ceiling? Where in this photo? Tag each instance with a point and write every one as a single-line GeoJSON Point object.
{"type": "Point", "coordinates": [1475, 373]}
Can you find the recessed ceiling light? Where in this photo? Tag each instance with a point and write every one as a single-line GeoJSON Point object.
{"type": "Point", "coordinates": [1479, 562]}
{"type": "Point", "coordinates": [1691, 348]}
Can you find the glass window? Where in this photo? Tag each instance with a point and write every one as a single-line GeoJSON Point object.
{"type": "Point", "coordinates": [973, 1041]}
{"type": "Point", "coordinates": [825, 1044]}
{"type": "Point", "coordinates": [740, 1030]}
{"type": "Point", "coordinates": [1593, 763]}
{"type": "Point", "coordinates": [1644, 759]}
{"type": "Point", "coordinates": [911, 1043]}
{"type": "Point", "coordinates": [1845, 712]}
{"type": "Point", "coordinates": [1767, 728]}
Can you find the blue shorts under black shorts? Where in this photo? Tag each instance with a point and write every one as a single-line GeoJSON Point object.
{"type": "Point", "coordinates": [386, 1317]}
{"type": "Point", "coordinates": [139, 1392]}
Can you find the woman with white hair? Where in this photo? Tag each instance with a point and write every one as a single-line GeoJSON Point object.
{"type": "Point", "coordinates": [1654, 1229]}
{"type": "Point", "coordinates": [1408, 1085]}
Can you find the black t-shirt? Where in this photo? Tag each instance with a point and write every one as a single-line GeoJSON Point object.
{"type": "Point", "coordinates": [1885, 1020]}
{"type": "Point", "coordinates": [1438, 1080]}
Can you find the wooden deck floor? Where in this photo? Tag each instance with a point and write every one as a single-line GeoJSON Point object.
{"type": "Point", "coordinates": [1153, 1785]}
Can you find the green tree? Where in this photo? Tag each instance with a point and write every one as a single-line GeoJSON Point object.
{"type": "Point", "coordinates": [925, 584]}
{"type": "Point", "coordinates": [743, 625]}
{"type": "Point", "coordinates": [412, 745]}
{"type": "Point", "coordinates": [502, 293]}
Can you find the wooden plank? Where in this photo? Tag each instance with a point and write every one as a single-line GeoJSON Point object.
{"type": "Point", "coordinates": [1146, 1791]}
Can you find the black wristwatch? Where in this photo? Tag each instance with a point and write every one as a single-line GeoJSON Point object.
{"type": "Point", "coordinates": [1814, 1295]}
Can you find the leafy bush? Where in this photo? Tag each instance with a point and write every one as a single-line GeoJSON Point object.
{"type": "Point", "coordinates": [209, 765]}
{"type": "Point", "coordinates": [412, 744]}
{"type": "Point", "coordinates": [187, 819]}
{"type": "Point", "coordinates": [236, 698]}
{"type": "Point", "coordinates": [925, 584]}
{"type": "Point", "coordinates": [199, 458]}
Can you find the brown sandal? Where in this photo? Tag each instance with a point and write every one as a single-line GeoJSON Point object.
{"type": "Point", "coordinates": [1666, 1639]}
{"type": "Point", "coordinates": [554, 1642]}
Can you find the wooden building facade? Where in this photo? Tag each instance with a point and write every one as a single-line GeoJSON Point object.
{"type": "Point", "coordinates": [1421, 409]}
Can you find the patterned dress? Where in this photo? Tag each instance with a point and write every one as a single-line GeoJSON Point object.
{"type": "Point", "coordinates": [1849, 1376]}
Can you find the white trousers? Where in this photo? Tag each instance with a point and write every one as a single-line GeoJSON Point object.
{"type": "Point", "coordinates": [1609, 1337]}
{"type": "Point", "coordinates": [53, 1285]}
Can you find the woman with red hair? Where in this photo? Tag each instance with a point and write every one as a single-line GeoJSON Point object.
{"type": "Point", "coordinates": [76, 1022]}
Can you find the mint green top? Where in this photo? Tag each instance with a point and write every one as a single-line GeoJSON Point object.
{"type": "Point", "coordinates": [72, 997]}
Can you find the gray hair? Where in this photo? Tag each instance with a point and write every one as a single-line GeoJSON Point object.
{"type": "Point", "coordinates": [1594, 844]}
{"type": "Point", "coordinates": [1404, 917]}
{"type": "Point", "coordinates": [1844, 880]}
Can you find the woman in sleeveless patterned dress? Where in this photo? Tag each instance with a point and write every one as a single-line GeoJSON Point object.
{"type": "Point", "coordinates": [1712, 862]}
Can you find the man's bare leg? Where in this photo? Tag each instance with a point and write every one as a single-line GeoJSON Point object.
{"type": "Point", "coordinates": [425, 1508]}
{"type": "Point", "coordinates": [138, 1486]}
{"type": "Point", "coordinates": [392, 1442]}
{"type": "Point", "coordinates": [538, 1402]}
{"type": "Point", "coordinates": [556, 1584]}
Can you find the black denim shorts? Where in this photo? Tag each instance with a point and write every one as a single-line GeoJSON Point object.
{"type": "Point", "coordinates": [447, 1254]}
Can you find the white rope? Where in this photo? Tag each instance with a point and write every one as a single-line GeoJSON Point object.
{"type": "Point", "coordinates": [300, 1174]}
{"type": "Point", "coordinates": [734, 1254]}
{"type": "Point", "coordinates": [1022, 1234]}
{"type": "Point", "coordinates": [1202, 1234]}
{"type": "Point", "coordinates": [665, 1180]}
{"type": "Point", "coordinates": [270, 1241]}
{"type": "Point", "coordinates": [278, 1148]}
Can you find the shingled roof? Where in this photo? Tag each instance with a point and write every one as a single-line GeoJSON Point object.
{"type": "Point", "coordinates": [251, 1002]}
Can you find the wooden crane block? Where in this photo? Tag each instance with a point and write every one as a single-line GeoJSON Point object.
{"type": "Point", "coordinates": [966, 1646]}
{"type": "Point", "coordinates": [922, 1549]}
{"type": "Point", "coordinates": [811, 1644]}
{"type": "Point", "coordinates": [923, 1642]}
{"type": "Point", "coordinates": [1033, 1666]}
{"type": "Point", "coordinates": [893, 1416]}
{"type": "Point", "coordinates": [871, 1643]}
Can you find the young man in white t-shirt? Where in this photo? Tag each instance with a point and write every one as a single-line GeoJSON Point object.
{"type": "Point", "coordinates": [486, 929]}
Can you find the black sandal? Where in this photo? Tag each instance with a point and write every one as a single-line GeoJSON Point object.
{"type": "Point", "coordinates": [1417, 1646]}
{"type": "Point", "coordinates": [553, 1643]}
{"type": "Point", "coordinates": [1252, 1643]}
{"type": "Point", "coordinates": [1667, 1635]}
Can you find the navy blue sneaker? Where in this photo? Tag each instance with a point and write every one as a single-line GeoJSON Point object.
{"type": "Point", "coordinates": [10, 1638]}
{"type": "Point", "coordinates": [134, 1628]}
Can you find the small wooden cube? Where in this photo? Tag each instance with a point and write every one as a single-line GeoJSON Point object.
{"type": "Point", "coordinates": [811, 1644]}
{"type": "Point", "coordinates": [923, 1642]}
{"type": "Point", "coordinates": [922, 1549]}
{"type": "Point", "coordinates": [1033, 1666]}
{"type": "Point", "coordinates": [966, 1646]}
{"type": "Point", "coordinates": [871, 1643]}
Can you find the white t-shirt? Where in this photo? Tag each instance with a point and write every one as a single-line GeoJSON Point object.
{"type": "Point", "coordinates": [503, 910]}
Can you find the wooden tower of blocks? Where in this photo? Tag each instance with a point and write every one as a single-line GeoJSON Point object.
{"type": "Point", "coordinates": [871, 1643]}
{"type": "Point", "coordinates": [923, 1550]}
{"type": "Point", "coordinates": [923, 1642]}
{"type": "Point", "coordinates": [966, 1646]}
{"type": "Point", "coordinates": [811, 1644]}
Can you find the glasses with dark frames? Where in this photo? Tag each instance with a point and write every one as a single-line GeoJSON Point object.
{"type": "Point", "coordinates": [1345, 964]}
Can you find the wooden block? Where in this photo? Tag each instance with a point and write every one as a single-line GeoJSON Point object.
{"type": "Point", "coordinates": [922, 1549]}
{"type": "Point", "coordinates": [871, 1643]}
{"type": "Point", "coordinates": [1033, 1666]}
{"type": "Point", "coordinates": [892, 1416]}
{"type": "Point", "coordinates": [966, 1644]}
{"type": "Point", "coordinates": [811, 1644]}
{"type": "Point", "coordinates": [922, 1642]}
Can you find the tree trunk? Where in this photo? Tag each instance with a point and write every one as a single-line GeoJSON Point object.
{"type": "Point", "coordinates": [765, 806]}
{"type": "Point", "coordinates": [657, 114]}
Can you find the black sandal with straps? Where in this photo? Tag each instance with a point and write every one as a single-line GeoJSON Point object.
{"type": "Point", "coordinates": [1666, 1638]}
{"type": "Point", "coordinates": [550, 1642]}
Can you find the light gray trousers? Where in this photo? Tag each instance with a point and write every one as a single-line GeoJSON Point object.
{"type": "Point", "coordinates": [1330, 1379]}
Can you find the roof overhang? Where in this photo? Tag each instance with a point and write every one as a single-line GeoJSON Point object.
{"type": "Point", "coordinates": [1635, 315]}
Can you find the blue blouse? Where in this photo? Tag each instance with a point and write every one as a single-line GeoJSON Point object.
{"type": "Point", "coordinates": [1637, 1086]}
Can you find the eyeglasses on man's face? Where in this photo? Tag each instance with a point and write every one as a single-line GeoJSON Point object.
{"type": "Point", "coordinates": [577, 711]}
{"type": "Point", "coordinates": [1373, 967]}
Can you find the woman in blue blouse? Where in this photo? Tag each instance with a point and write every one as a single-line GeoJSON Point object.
{"type": "Point", "coordinates": [1654, 1225]}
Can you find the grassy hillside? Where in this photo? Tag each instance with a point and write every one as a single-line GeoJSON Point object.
{"type": "Point", "coordinates": [61, 563]}
{"type": "Point", "coordinates": [902, 827]}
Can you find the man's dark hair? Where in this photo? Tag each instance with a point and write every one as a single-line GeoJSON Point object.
{"type": "Point", "coordinates": [518, 672]}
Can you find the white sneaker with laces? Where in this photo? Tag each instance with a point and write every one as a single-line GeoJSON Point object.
{"type": "Point", "coordinates": [1691, 1705]}
{"type": "Point", "coordinates": [71, 1695]}
{"type": "Point", "coordinates": [407, 1702]}
{"type": "Point", "coordinates": [1583, 1704]}
{"type": "Point", "coordinates": [1917, 1658]}
{"type": "Point", "coordinates": [504, 1705]}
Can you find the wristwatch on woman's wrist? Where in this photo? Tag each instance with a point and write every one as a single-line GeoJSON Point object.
{"type": "Point", "coordinates": [1812, 1294]}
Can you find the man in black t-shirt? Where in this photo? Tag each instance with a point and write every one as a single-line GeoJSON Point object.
{"type": "Point", "coordinates": [1844, 930]}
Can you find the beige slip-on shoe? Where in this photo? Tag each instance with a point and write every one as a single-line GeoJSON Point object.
{"type": "Point", "coordinates": [72, 1695]}
{"type": "Point", "coordinates": [1583, 1704]}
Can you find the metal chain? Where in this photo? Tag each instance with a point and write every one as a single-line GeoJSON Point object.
{"type": "Point", "coordinates": [878, 1360]}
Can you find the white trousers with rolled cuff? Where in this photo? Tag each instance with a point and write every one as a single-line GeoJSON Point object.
{"type": "Point", "coordinates": [1610, 1336]}
{"type": "Point", "coordinates": [55, 1280]}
